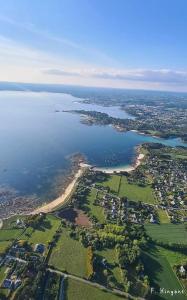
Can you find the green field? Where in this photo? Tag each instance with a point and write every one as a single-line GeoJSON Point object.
{"type": "Point", "coordinates": [171, 233]}
{"type": "Point", "coordinates": [161, 274]}
{"type": "Point", "coordinates": [113, 183]}
{"type": "Point", "coordinates": [111, 257]}
{"type": "Point", "coordinates": [3, 292]}
{"type": "Point", "coordinates": [163, 217]}
{"type": "Point", "coordinates": [69, 255]}
{"type": "Point", "coordinates": [9, 234]}
{"type": "Point", "coordinates": [76, 290]}
{"type": "Point", "coordinates": [10, 223]}
{"type": "Point", "coordinates": [120, 186]}
{"type": "Point", "coordinates": [44, 233]}
{"type": "Point", "coordinates": [173, 257]}
{"type": "Point", "coordinates": [4, 245]}
{"type": "Point", "coordinates": [95, 210]}
{"type": "Point", "coordinates": [136, 192]}
{"type": "Point", "coordinates": [2, 274]}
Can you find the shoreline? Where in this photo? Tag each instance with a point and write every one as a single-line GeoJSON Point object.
{"type": "Point", "coordinates": [129, 168]}
{"type": "Point", "coordinates": [54, 204]}
{"type": "Point", "coordinates": [82, 166]}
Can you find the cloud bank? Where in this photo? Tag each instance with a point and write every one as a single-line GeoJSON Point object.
{"type": "Point", "coordinates": [157, 76]}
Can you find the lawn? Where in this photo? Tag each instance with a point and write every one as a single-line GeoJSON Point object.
{"type": "Point", "coordinates": [10, 223]}
{"type": "Point", "coordinates": [136, 192]}
{"type": "Point", "coordinates": [2, 274]}
{"type": "Point", "coordinates": [9, 234]}
{"type": "Point", "coordinates": [4, 245]}
{"type": "Point", "coordinates": [173, 257]}
{"type": "Point", "coordinates": [111, 257]}
{"type": "Point", "coordinates": [82, 291]}
{"type": "Point", "coordinates": [171, 233]}
{"type": "Point", "coordinates": [95, 210]}
{"type": "Point", "coordinates": [161, 274]}
{"type": "Point", "coordinates": [163, 217]}
{"type": "Point", "coordinates": [44, 233]}
{"type": "Point", "coordinates": [69, 255]}
{"type": "Point", "coordinates": [3, 291]}
{"type": "Point", "coordinates": [113, 183]}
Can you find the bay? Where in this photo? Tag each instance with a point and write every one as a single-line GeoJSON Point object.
{"type": "Point", "coordinates": [37, 139]}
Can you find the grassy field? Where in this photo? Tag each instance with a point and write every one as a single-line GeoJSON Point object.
{"type": "Point", "coordinates": [81, 291]}
{"type": "Point", "coordinates": [2, 274]}
{"type": "Point", "coordinates": [4, 245]}
{"type": "Point", "coordinates": [120, 186]}
{"type": "Point", "coordinates": [163, 217]}
{"type": "Point", "coordinates": [161, 274]}
{"type": "Point", "coordinates": [10, 223]}
{"type": "Point", "coordinates": [168, 232]}
{"type": "Point", "coordinates": [95, 210]}
{"type": "Point", "coordinates": [44, 233]}
{"type": "Point", "coordinates": [69, 255]}
{"type": "Point", "coordinates": [4, 292]}
{"type": "Point", "coordinates": [112, 182]}
{"type": "Point", "coordinates": [9, 234]}
{"type": "Point", "coordinates": [110, 256]}
{"type": "Point", "coordinates": [173, 257]}
{"type": "Point", "coordinates": [136, 192]}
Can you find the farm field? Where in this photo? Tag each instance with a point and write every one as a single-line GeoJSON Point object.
{"type": "Point", "coordinates": [95, 210]}
{"type": "Point", "coordinates": [10, 223]}
{"type": "Point", "coordinates": [44, 233]}
{"type": "Point", "coordinates": [111, 258]}
{"type": "Point", "coordinates": [9, 234]}
{"type": "Point", "coordinates": [120, 186]}
{"type": "Point", "coordinates": [173, 257]}
{"type": "Point", "coordinates": [113, 183]}
{"type": "Point", "coordinates": [82, 291]}
{"type": "Point", "coordinates": [69, 255]}
{"type": "Point", "coordinates": [161, 274]}
{"type": "Point", "coordinates": [3, 292]}
{"type": "Point", "coordinates": [163, 217]}
{"type": "Point", "coordinates": [136, 192]}
{"type": "Point", "coordinates": [171, 233]}
{"type": "Point", "coordinates": [3, 246]}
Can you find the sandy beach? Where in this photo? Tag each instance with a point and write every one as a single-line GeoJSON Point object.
{"type": "Point", "coordinates": [48, 207]}
{"type": "Point", "coordinates": [122, 168]}
{"type": "Point", "coordinates": [61, 199]}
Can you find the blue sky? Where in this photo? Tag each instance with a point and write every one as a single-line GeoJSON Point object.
{"type": "Point", "coordinates": [115, 43]}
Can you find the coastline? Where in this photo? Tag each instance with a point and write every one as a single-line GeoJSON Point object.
{"type": "Point", "coordinates": [49, 207]}
{"type": "Point", "coordinates": [129, 168]}
{"type": "Point", "coordinates": [78, 172]}
{"type": "Point", "coordinates": [54, 204]}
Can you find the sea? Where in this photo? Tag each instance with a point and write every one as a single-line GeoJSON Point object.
{"type": "Point", "coordinates": [37, 140]}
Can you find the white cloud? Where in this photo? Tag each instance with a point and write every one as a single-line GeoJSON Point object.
{"type": "Point", "coordinates": [22, 63]}
{"type": "Point", "coordinates": [157, 76]}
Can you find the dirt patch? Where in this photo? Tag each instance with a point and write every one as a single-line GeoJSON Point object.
{"type": "Point", "coordinates": [75, 216]}
{"type": "Point", "coordinates": [82, 219]}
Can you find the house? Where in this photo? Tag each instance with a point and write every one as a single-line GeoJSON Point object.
{"type": "Point", "coordinates": [182, 270]}
{"type": "Point", "coordinates": [39, 248]}
{"type": "Point", "coordinates": [17, 283]}
{"type": "Point", "coordinates": [8, 284]}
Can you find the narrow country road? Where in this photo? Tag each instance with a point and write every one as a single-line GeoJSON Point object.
{"type": "Point", "coordinates": [95, 284]}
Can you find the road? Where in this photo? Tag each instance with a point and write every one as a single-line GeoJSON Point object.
{"type": "Point", "coordinates": [95, 284]}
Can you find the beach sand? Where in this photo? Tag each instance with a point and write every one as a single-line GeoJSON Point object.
{"type": "Point", "coordinates": [122, 168]}
{"type": "Point", "coordinates": [48, 207]}
{"type": "Point", "coordinates": [61, 199]}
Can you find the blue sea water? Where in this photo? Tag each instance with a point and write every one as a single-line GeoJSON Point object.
{"type": "Point", "coordinates": [36, 140]}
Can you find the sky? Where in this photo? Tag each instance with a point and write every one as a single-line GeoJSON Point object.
{"type": "Point", "coordinates": [109, 43]}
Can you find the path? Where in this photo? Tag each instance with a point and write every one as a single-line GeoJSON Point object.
{"type": "Point", "coordinates": [95, 284]}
